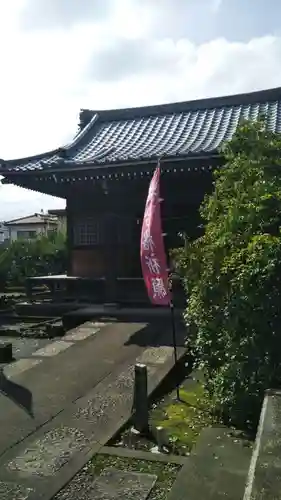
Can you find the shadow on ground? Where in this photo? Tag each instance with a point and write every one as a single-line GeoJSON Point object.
{"type": "Point", "coordinates": [157, 334]}
{"type": "Point", "coordinates": [19, 394]}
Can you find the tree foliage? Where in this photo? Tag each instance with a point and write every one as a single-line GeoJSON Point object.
{"type": "Point", "coordinates": [35, 257]}
{"type": "Point", "coordinates": [232, 277]}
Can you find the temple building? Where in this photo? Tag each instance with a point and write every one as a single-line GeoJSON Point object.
{"type": "Point", "coordinates": [105, 171]}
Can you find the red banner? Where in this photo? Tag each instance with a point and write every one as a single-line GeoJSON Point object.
{"type": "Point", "coordinates": [152, 251]}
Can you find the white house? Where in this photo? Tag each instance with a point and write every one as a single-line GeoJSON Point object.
{"type": "Point", "coordinates": [60, 214]}
{"type": "Point", "coordinates": [31, 226]}
{"type": "Point", "coordinates": [4, 233]}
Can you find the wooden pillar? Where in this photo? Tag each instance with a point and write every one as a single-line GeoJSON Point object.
{"type": "Point", "coordinates": [110, 258]}
{"type": "Point", "coordinates": [69, 237]}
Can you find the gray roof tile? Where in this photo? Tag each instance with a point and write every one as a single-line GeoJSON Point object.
{"type": "Point", "coordinates": [173, 130]}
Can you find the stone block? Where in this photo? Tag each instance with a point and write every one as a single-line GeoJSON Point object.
{"type": "Point", "coordinates": [6, 352]}
{"type": "Point", "coordinates": [48, 454]}
{"type": "Point", "coordinates": [140, 417]}
{"type": "Point", "coordinates": [119, 485]}
{"type": "Point", "coordinates": [216, 469]}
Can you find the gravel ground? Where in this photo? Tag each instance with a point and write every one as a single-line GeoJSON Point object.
{"type": "Point", "coordinates": [24, 347]}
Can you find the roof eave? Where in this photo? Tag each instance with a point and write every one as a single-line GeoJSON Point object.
{"type": "Point", "coordinates": [90, 165]}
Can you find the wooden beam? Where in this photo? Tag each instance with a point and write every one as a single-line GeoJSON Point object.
{"type": "Point", "coordinates": [110, 256]}
{"type": "Point", "coordinates": [69, 236]}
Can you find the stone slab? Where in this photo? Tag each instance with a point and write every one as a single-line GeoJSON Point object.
{"type": "Point", "coordinates": [155, 355]}
{"type": "Point", "coordinates": [81, 334]}
{"type": "Point", "coordinates": [105, 413]}
{"type": "Point", "coordinates": [11, 491]}
{"type": "Point", "coordinates": [20, 366]}
{"type": "Point", "coordinates": [46, 455]}
{"type": "Point", "coordinates": [216, 470]}
{"type": "Point", "coordinates": [102, 411]}
{"type": "Point", "coordinates": [119, 485]}
{"type": "Point", "coordinates": [53, 349]}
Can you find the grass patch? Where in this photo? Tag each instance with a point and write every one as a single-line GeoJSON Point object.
{"type": "Point", "coordinates": [183, 420]}
{"type": "Point", "coordinates": [166, 473]}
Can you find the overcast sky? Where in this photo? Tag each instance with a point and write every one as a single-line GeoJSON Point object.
{"type": "Point", "coordinates": [58, 56]}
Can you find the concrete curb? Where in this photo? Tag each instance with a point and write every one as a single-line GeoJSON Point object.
{"type": "Point", "coordinates": [143, 455]}
{"type": "Point", "coordinates": [264, 474]}
{"type": "Point", "coordinates": [256, 451]}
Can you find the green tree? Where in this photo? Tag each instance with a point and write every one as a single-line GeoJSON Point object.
{"type": "Point", "coordinates": [34, 257]}
{"type": "Point", "coordinates": [232, 277]}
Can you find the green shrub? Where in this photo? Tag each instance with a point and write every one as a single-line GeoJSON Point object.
{"type": "Point", "coordinates": [232, 277]}
{"type": "Point", "coordinates": [36, 257]}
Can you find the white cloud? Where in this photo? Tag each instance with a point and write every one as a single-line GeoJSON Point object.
{"type": "Point", "coordinates": [16, 202]}
{"type": "Point", "coordinates": [50, 14]}
{"type": "Point", "coordinates": [179, 70]}
{"type": "Point", "coordinates": [48, 75]}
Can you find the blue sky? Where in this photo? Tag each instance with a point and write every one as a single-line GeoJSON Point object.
{"type": "Point", "coordinates": [58, 56]}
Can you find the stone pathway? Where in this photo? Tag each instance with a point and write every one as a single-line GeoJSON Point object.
{"type": "Point", "coordinates": [50, 383]}
{"type": "Point", "coordinates": [55, 450]}
{"type": "Point", "coordinates": [25, 349]}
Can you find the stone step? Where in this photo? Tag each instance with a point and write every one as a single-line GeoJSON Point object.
{"type": "Point", "coordinates": [217, 468]}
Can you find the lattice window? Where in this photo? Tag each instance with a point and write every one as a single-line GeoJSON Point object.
{"type": "Point", "coordinates": [87, 231]}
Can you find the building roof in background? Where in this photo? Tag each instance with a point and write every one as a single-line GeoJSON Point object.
{"type": "Point", "coordinates": [33, 219]}
{"type": "Point", "coordinates": [128, 136]}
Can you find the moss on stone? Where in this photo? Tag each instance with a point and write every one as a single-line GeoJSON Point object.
{"type": "Point", "coordinates": [183, 420]}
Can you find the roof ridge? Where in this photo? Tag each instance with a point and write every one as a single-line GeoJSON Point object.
{"type": "Point", "coordinates": [140, 134]}
{"type": "Point", "coordinates": [182, 106]}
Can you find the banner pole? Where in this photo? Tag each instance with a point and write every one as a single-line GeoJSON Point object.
{"type": "Point", "coordinates": [174, 338]}
{"type": "Point", "coordinates": [153, 256]}
{"type": "Point", "coordinates": [173, 322]}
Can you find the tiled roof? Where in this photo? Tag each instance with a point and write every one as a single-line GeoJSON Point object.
{"type": "Point", "coordinates": [132, 135]}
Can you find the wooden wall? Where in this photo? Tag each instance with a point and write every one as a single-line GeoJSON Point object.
{"type": "Point", "coordinates": [87, 262]}
{"type": "Point", "coordinates": [124, 202]}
